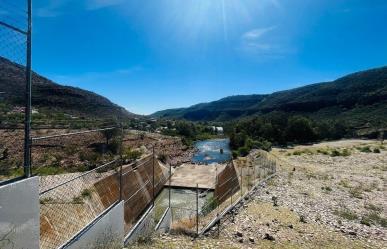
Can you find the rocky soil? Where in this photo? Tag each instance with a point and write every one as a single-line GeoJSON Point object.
{"type": "Point", "coordinates": [329, 195]}
{"type": "Point", "coordinates": [80, 152]}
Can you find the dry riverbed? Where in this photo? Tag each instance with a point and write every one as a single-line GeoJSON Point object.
{"type": "Point", "coordinates": [330, 195]}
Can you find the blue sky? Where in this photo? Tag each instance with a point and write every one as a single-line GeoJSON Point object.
{"type": "Point", "coordinates": [149, 55]}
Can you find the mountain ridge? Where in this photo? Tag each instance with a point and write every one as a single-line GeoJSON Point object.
{"type": "Point", "coordinates": [51, 96]}
{"type": "Point", "coordinates": [355, 92]}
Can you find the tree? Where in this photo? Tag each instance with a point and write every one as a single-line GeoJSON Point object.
{"type": "Point", "coordinates": [109, 134]}
{"type": "Point", "coordinates": [300, 130]}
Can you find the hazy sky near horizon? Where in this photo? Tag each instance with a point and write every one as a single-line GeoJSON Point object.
{"type": "Point", "coordinates": [149, 55]}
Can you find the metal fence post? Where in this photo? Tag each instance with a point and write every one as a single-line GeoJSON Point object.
{"type": "Point", "coordinates": [169, 189]}
{"type": "Point", "coordinates": [232, 191]}
{"type": "Point", "coordinates": [254, 175]}
{"type": "Point", "coordinates": [241, 181]}
{"type": "Point", "coordinates": [197, 210]}
{"type": "Point", "coordinates": [28, 104]}
{"type": "Point", "coordinates": [121, 160]}
{"type": "Point", "coordinates": [153, 177]}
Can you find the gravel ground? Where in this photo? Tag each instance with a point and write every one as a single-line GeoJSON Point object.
{"type": "Point", "coordinates": [325, 200]}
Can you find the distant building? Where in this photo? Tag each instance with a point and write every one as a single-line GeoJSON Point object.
{"type": "Point", "coordinates": [218, 130]}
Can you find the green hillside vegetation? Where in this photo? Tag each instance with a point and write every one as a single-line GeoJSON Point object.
{"type": "Point", "coordinates": [358, 100]}
{"type": "Point", "coordinates": [51, 100]}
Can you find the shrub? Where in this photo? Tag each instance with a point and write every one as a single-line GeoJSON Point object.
{"type": "Point", "coordinates": [49, 170]}
{"type": "Point", "coordinates": [376, 150]}
{"type": "Point", "coordinates": [243, 151]}
{"type": "Point", "coordinates": [356, 192]}
{"type": "Point", "coordinates": [131, 155]}
{"type": "Point", "coordinates": [346, 152]}
{"type": "Point", "coordinates": [365, 149]}
{"type": "Point", "coordinates": [328, 189]}
{"type": "Point", "coordinates": [86, 193]}
{"type": "Point", "coordinates": [209, 206]}
{"type": "Point", "coordinates": [335, 153]}
{"type": "Point", "coordinates": [373, 218]}
{"type": "Point", "coordinates": [374, 207]}
{"type": "Point", "coordinates": [346, 214]}
{"type": "Point", "coordinates": [163, 158]}
{"type": "Point", "coordinates": [297, 153]}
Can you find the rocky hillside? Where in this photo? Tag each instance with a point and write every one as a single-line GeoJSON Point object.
{"type": "Point", "coordinates": [360, 97]}
{"type": "Point", "coordinates": [50, 97]}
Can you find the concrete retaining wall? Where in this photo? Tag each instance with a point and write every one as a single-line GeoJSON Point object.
{"type": "Point", "coordinates": [227, 184]}
{"type": "Point", "coordinates": [106, 231]}
{"type": "Point", "coordinates": [143, 229]}
{"type": "Point", "coordinates": [19, 214]}
{"type": "Point", "coordinates": [164, 225]}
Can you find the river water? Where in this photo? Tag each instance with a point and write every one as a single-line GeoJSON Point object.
{"type": "Point", "coordinates": [212, 151]}
{"type": "Point", "coordinates": [183, 201]}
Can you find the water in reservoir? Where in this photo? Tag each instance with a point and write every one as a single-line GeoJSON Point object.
{"type": "Point", "coordinates": [212, 151]}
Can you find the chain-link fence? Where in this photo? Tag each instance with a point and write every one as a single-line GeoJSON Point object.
{"type": "Point", "coordinates": [69, 207]}
{"type": "Point", "coordinates": [234, 182]}
{"type": "Point", "coordinates": [202, 207]}
{"type": "Point", "coordinates": [69, 202]}
{"type": "Point", "coordinates": [142, 182]}
{"type": "Point", "coordinates": [64, 151]}
{"type": "Point", "coordinates": [14, 33]}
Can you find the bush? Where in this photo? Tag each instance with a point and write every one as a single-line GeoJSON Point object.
{"type": "Point", "coordinates": [346, 214]}
{"type": "Point", "coordinates": [365, 149]}
{"type": "Point", "coordinates": [163, 158]}
{"type": "Point", "coordinates": [131, 155]}
{"type": "Point", "coordinates": [373, 218]}
{"type": "Point", "coordinates": [86, 193]}
{"type": "Point", "coordinates": [376, 150]}
{"type": "Point", "coordinates": [344, 153]}
{"type": "Point", "coordinates": [300, 129]}
{"type": "Point", "coordinates": [209, 206]}
{"type": "Point", "coordinates": [243, 151]}
{"type": "Point", "coordinates": [335, 153]}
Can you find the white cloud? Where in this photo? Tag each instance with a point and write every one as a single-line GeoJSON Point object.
{"type": "Point", "coordinates": [263, 43]}
{"type": "Point", "coordinates": [255, 34]}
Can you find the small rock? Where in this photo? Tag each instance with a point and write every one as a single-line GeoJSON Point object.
{"type": "Point", "coordinates": [240, 240]}
{"type": "Point", "coordinates": [291, 226]}
{"type": "Point", "coordinates": [239, 234]}
{"type": "Point", "coordinates": [251, 239]}
{"type": "Point", "coordinates": [352, 233]}
{"type": "Point", "coordinates": [269, 237]}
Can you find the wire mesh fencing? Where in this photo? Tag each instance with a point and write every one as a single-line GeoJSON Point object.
{"type": "Point", "coordinates": [13, 75]}
{"type": "Point", "coordinates": [77, 199]}
{"type": "Point", "coordinates": [69, 207]}
{"type": "Point", "coordinates": [13, 30]}
{"type": "Point", "coordinates": [142, 181]}
{"type": "Point", "coordinates": [67, 151]}
{"type": "Point", "coordinates": [205, 206]}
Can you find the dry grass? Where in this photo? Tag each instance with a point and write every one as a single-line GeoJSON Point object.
{"type": "Point", "coordinates": [184, 227]}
